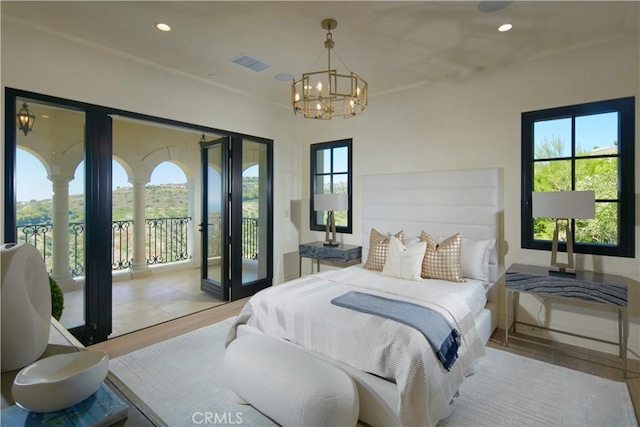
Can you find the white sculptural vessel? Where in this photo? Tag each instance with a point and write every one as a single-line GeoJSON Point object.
{"type": "Point", "coordinates": [60, 381]}
{"type": "Point", "coordinates": [26, 305]}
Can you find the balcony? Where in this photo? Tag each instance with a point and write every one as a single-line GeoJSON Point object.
{"type": "Point", "coordinates": [166, 241]}
{"type": "Point", "coordinates": [141, 302]}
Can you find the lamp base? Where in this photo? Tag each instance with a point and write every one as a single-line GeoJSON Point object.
{"type": "Point", "coordinates": [331, 244]}
{"type": "Point", "coordinates": [562, 273]}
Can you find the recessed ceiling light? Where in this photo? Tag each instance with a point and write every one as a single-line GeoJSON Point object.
{"type": "Point", "coordinates": [163, 27]}
{"type": "Point", "coordinates": [505, 27]}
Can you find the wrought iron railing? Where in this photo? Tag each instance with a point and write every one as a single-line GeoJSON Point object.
{"type": "Point", "coordinates": [39, 235]}
{"type": "Point", "coordinates": [250, 233]}
{"type": "Point", "coordinates": [249, 241]}
{"type": "Point", "coordinates": [166, 241]}
{"type": "Point", "coordinates": [76, 257]}
{"type": "Point", "coordinates": [121, 244]}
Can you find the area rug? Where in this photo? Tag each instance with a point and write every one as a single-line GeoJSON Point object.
{"type": "Point", "coordinates": [181, 380]}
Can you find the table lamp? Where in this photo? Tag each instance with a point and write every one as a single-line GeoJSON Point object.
{"type": "Point", "coordinates": [330, 202]}
{"type": "Point", "coordinates": [563, 206]}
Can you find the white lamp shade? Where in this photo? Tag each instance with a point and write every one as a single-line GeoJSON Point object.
{"type": "Point", "coordinates": [330, 202]}
{"type": "Point", "coordinates": [563, 204]}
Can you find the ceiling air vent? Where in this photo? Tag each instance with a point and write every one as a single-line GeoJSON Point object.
{"type": "Point", "coordinates": [250, 62]}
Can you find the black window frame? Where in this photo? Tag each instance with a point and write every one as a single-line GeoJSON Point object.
{"type": "Point", "coordinates": [625, 107]}
{"type": "Point", "coordinates": [314, 148]}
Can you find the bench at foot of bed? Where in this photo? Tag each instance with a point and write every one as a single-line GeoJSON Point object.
{"type": "Point", "coordinates": [288, 384]}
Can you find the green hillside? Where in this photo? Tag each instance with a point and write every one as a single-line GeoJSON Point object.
{"type": "Point", "coordinates": [162, 201]}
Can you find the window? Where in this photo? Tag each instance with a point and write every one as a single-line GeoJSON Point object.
{"type": "Point", "coordinates": [582, 147]}
{"type": "Point", "coordinates": [331, 165]}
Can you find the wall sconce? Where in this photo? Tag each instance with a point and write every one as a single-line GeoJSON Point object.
{"type": "Point", "coordinates": [25, 119]}
{"type": "Point", "coordinates": [563, 206]}
{"type": "Point", "coordinates": [330, 202]}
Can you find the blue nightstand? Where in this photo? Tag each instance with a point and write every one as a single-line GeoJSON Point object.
{"type": "Point", "coordinates": [345, 255]}
{"type": "Point", "coordinates": [598, 290]}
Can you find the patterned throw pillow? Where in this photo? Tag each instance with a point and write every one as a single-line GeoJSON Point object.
{"type": "Point", "coordinates": [378, 249]}
{"type": "Point", "coordinates": [442, 261]}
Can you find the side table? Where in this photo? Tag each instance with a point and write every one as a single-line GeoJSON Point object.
{"type": "Point", "coordinates": [60, 342]}
{"type": "Point", "coordinates": [342, 254]}
{"type": "Point", "coordinates": [600, 291]}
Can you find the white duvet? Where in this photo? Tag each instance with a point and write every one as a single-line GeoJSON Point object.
{"type": "Point", "coordinates": [300, 311]}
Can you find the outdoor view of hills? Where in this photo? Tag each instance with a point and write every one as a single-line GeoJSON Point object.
{"type": "Point", "coordinates": [162, 201]}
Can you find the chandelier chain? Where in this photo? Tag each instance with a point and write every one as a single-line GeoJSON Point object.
{"type": "Point", "coordinates": [342, 62]}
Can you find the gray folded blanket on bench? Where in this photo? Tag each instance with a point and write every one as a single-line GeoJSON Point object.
{"type": "Point", "coordinates": [444, 339]}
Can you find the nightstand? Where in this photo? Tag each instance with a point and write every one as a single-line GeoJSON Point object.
{"type": "Point", "coordinates": [345, 255]}
{"type": "Point", "coordinates": [605, 292]}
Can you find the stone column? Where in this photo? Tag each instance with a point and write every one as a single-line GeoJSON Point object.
{"type": "Point", "coordinates": [139, 267]}
{"type": "Point", "coordinates": [61, 271]}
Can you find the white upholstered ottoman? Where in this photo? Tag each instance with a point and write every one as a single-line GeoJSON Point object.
{"type": "Point", "coordinates": [289, 385]}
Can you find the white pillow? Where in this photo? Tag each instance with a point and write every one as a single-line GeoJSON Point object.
{"type": "Point", "coordinates": [404, 262]}
{"type": "Point", "coordinates": [410, 241]}
{"type": "Point", "coordinates": [475, 258]}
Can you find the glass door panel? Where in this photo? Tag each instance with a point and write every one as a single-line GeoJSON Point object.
{"type": "Point", "coordinates": [237, 218]}
{"type": "Point", "coordinates": [255, 214]}
{"type": "Point", "coordinates": [50, 198]}
{"type": "Point", "coordinates": [251, 240]}
{"type": "Point", "coordinates": [214, 225]}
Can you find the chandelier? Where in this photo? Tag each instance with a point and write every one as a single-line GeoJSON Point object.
{"type": "Point", "coordinates": [25, 119]}
{"type": "Point", "coordinates": [325, 94]}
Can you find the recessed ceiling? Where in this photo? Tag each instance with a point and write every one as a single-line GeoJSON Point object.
{"type": "Point", "coordinates": [393, 45]}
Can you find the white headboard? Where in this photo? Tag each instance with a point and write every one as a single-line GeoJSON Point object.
{"type": "Point", "coordinates": [441, 203]}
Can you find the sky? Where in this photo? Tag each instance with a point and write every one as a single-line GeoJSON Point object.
{"type": "Point", "coordinates": [599, 130]}
{"type": "Point", "coordinates": [32, 182]}
{"type": "Point", "coordinates": [596, 130]}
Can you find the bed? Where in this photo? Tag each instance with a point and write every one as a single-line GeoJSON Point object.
{"type": "Point", "coordinates": [398, 377]}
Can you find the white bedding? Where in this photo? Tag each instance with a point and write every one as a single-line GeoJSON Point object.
{"type": "Point", "coordinates": [300, 311]}
{"type": "Point", "coordinates": [472, 292]}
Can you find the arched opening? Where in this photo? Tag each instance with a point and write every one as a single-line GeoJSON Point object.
{"type": "Point", "coordinates": [167, 215]}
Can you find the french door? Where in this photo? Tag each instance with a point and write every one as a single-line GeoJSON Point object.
{"type": "Point", "coordinates": [61, 166]}
{"type": "Point", "coordinates": [71, 145]}
{"type": "Point", "coordinates": [237, 219]}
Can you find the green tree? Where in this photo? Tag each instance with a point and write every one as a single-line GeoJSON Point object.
{"type": "Point", "coordinates": [599, 174]}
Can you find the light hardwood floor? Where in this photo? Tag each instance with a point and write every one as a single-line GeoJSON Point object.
{"type": "Point", "coordinates": [591, 362]}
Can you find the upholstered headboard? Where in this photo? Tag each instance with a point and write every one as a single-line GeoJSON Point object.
{"type": "Point", "coordinates": [441, 203]}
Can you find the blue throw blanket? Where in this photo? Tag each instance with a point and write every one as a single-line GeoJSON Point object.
{"type": "Point", "coordinates": [444, 339]}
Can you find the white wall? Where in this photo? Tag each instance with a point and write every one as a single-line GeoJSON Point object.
{"type": "Point", "coordinates": [475, 123]}
{"type": "Point", "coordinates": [470, 123]}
